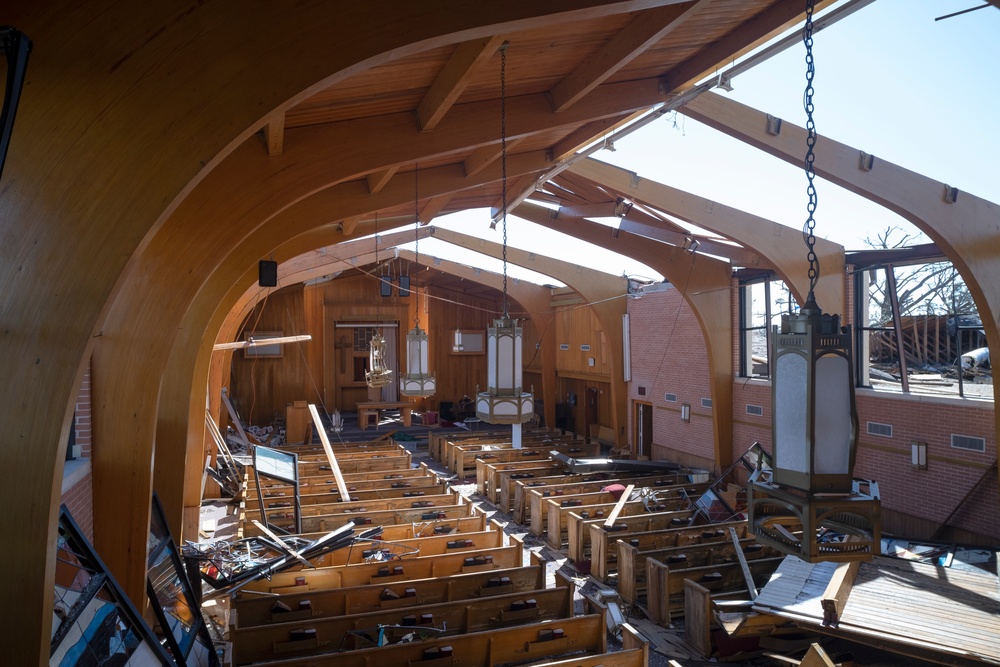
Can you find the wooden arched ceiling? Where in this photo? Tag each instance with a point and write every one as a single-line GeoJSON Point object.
{"type": "Point", "coordinates": [157, 147]}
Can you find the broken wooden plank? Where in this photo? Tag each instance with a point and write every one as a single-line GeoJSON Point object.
{"type": "Point", "coordinates": [751, 586]}
{"type": "Point", "coordinates": [618, 506]}
{"type": "Point", "coordinates": [341, 485]}
{"type": "Point", "coordinates": [837, 592]}
{"type": "Point", "coordinates": [258, 342]}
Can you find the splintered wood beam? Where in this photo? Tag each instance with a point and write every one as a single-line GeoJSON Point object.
{"type": "Point", "coordinates": [378, 179]}
{"type": "Point", "coordinates": [453, 78]}
{"type": "Point", "coordinates": [610, 521]}
{"type": "Point", "coordinates": [434, 206]}
{"type": "Point", "coordinates": [646, 29]}
{"type": "Point", "coordinates": [606, 209]}
{"type": "Point", "coordinates": [736, 255]}
{"type": "Point", "coordinates": [837, 591]}
{"type": "Point", "coordinates": [257, 342]}
{"type": "Point", "coordinates": [747, 575]}
{"type": "Point", "coordinates": [345, 495]}
{"type": "Point", "coordinates": [235, 418]}
{"type": "Point", "coordinates": [525, 184]}
{"type": "Point", "coordinates": [274, 134]}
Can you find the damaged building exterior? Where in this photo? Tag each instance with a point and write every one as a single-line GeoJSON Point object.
{"type": "Point", "coordinates": [161, 151]}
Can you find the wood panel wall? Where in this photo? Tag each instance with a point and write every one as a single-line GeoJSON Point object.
{"type": "Point", "coordinates": [577, 327]}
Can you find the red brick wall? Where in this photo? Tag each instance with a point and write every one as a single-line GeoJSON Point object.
{"type": "Point", "coordinates": [668, 357]}
{"type": "Point", "coordinates": [79, 497]}
{"type": "Point", "coordinates": [79, 500]}
{"type": "Point", "coordinates": [84, 415]}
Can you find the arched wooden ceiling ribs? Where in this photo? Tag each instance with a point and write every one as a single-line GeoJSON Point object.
{"type": "Point", "coordinates": [703, 282]}
{"type": "Point", "coordinates": [603, 292]}
{"type": "Point", "coordinates": [965, 229]}
{"type": "Point", "coordinates": [143, 149]}
{"type": "Point", "coordinates": [781, 246]}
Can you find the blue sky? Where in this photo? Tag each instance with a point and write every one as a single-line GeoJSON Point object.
{"type": "Point", "coordinates": [890, 80]}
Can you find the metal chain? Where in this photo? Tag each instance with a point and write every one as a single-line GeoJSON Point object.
{"type": "Point", "coordinates": [807, 38]}
{"type": "Point", "coordinates": [416, 235]}
{"type": "Point", "coordinates": [503, 164]}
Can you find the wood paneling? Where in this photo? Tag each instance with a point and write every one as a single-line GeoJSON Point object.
{"type": "Point", "coordinates": [579, 328]}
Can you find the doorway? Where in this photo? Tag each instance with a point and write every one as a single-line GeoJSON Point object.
{"type": "Point", "coordinates": [643, 429]}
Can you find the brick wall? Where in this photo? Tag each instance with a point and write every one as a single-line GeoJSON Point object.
{"type": "Point", "coordinates": [84, 415]}
{"type": "Point", "coordinates": [77, 489]}
{"type": "Point", "coordinates": [668, 357]}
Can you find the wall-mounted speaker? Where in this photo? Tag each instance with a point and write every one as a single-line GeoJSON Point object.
{"type": "Point", "coordinates": [267, 273]}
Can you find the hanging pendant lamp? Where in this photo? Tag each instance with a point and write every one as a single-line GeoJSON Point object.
{"type": "Point", "coordinates": [417, 381]}
{"type": "Point", "coordinates": [378, 375]}
{"type": "Point", "coordinates": [809, 505]}
{"type": "Point", "coordinates": [505, 401]}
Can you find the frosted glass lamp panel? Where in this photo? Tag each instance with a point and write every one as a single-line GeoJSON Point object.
{"type": "Point", "coordinates": [833, 423]}
{"type": "Point", "coordinates": [491, 359]}
{"type": "Point", "coordinates": [416, 352]}
{"type": "Point", "coordinates": [791, 412]}
{"type": "Point", "coordinates": [505, 364]}
{"type": "Point", "coordinates": [517, 359]}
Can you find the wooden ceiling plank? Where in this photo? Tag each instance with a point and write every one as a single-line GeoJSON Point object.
{"type": "Point", "coordinates": [777, 18]}
{"type": "Point", "coordinates": [453, 78]}
{"type": "Point", "coordinates": [646, 29]}
{"type": "Point", "coordinates": [274, 134]}
{"type": "Point", "coordinates": [378, 179]}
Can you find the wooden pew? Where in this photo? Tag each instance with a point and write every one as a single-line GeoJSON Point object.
{"type": "Point", "coordinates": [463, 457]}
{"type": "Point", "coordinates": [416, 488]}
{"type": "Point", "coordinates": [457, 452]}
{"type": "Point", "coordinates": [251, 610]}
{"type": "Point", "coordinates": [419, 567]}
{"type": "Point", "coordinates": [528, 497]}
{"type": "Point", "coordinates": [607, 552]}
{"type": "Point", "coordinates": [328, 522]}
{"type": "Point", "coordinates": [562, 484]}
{"type": "Point", "coordinates": [438, 442]}
{"type": "Point", "coordinates": [373, 505]}
{"type": "Point", "coordinates": [361, 551]}
{"type": "Point", "coordinates": [588, 536]}
{"type": "Point", "coordinates": [495, 478]}
{"type": "Point", "coordinates": [665, 593]}
{"type": "Point", "coordinates": [358, 462]}
{"type": "Point", "coordinates": [455, 617]}
{"type": "Point", "coordinates": [524, 643]}
{"type": "Point", "coordinates": [710, 550]}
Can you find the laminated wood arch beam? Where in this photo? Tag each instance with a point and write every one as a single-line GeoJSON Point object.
{"type": "Point", "coordinates": [313, 157]}
{"type": "Point", "coordinates": [781, 246]}
{"type": "Point", "coordinates": [606, 299]}
{"type": "Point", "coordinates": [964, 227]}
{"type": "Point", "coordinates": [703, 282]}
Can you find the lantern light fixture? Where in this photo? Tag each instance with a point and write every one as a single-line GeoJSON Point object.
{"type": "Point", "coordinates": [809, 504]}
{"type": "Point", "coordinates": [504, 401]}
{"type": "Point", "coordinates": [418, 381]}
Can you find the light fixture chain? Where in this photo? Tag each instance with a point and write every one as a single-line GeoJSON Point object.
{"type": "Point", "coordinates": [503, 164]}
{"type": "Point", "coordinates": [416, 237]}
{"type": "Point", "coordinates": [807, 38]}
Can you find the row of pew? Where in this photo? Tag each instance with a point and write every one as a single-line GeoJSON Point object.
{"type": "Point", "coordinates": [442, 584]}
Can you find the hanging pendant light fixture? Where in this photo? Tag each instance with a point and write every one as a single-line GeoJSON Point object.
{"type": "Point", "coordinates": [809, 504]}
{"type": "Point", "coordinates": [378, 374]}
{"type": "Point", "coordinates": [505, 401]}
{"type": "Point", "coordinates": [417, 381]}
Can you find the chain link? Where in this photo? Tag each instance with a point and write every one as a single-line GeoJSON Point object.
{"type": "Point", "coordinates": [807, 38]}
{"type": "Point", "coordinates": [416, 237]}
{"type": "Point", "coordinates": [503, 164]}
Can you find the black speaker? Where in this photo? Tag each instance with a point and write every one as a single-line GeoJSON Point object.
{"type": "Point", "coordinates": [404, 286]}
{"type": "Point", "coordinates": [385, 285]}
{"type": "Point", "coordinates": [267, 273]}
